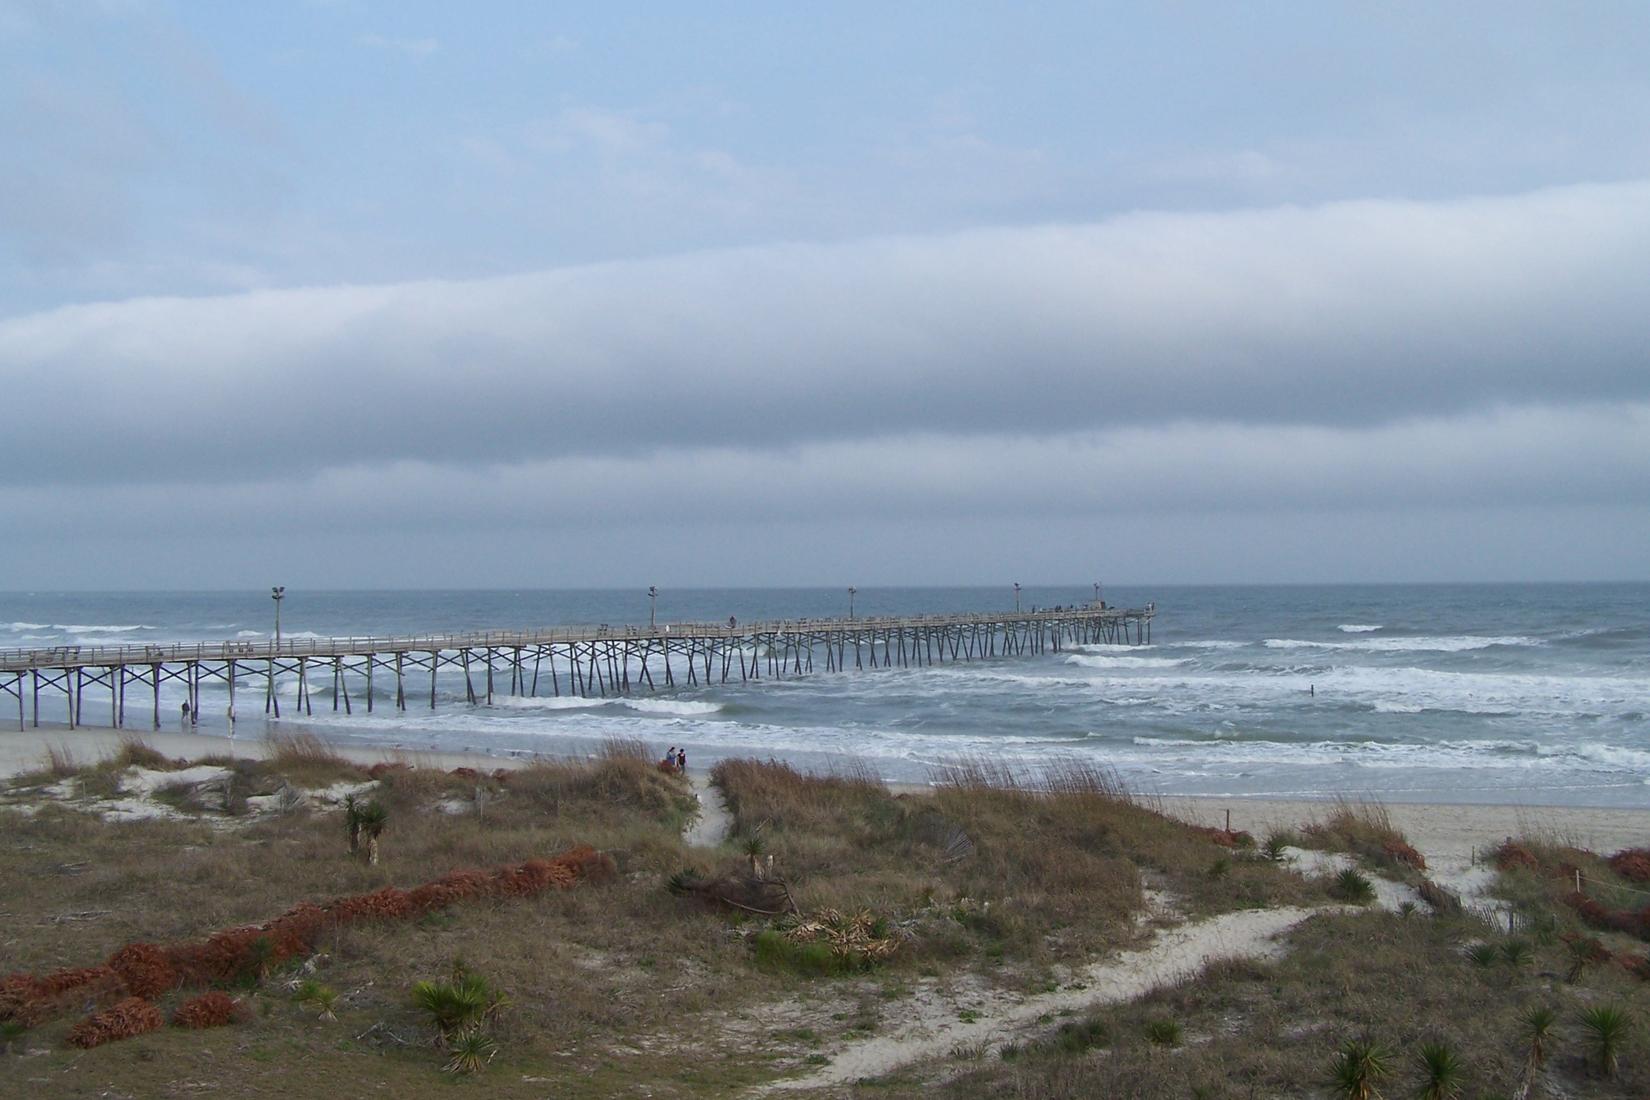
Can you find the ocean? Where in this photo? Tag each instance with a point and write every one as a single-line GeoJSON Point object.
{"type": "Point", "coordinates": [1524, 694]}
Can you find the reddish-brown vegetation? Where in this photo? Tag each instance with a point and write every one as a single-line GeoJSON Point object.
{"type": "Point", "coordinates": [1636, 965]}
{"type": "Point", "coordinates": [145, 969]}
{"type": "Point", "coordinates": [133, 1016]}
{"type": "Point", "coordinates": [1632, 864]}
{"type": "Point", "coordinates": [148, 970]}
{"type": "Point", "coordinates": [27, 999]}
{"type": "Point", "coordinates": [1401, 851]}
{"type": "Point", "coordinates": [1224, 837]}
{"type": "Point", "coordinates": [1512, 854]}
{"type": "Point", "coordinates": [1611, 920]}
{"type": "Point", "coordinates": [213, 1009]}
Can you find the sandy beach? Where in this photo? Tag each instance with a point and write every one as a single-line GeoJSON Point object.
{"type": "Point", "coordinates": [25, 750]}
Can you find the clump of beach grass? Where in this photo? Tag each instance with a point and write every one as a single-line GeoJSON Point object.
{"type": "Point", "coordinates": [1363, 828]}
{"type": "Point", "coordinates": [307, 760]}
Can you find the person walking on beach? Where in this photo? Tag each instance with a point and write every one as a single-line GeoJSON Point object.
{"type": "Point", "coordinates": [681, 760]}
{"type": "Point", "coordinates": [185, 717]}
{"type": "Point", "coordinates": [670, 758]}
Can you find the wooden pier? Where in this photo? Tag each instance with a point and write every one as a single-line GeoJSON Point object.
{"type": "Point", "coordinates": [588, 661]}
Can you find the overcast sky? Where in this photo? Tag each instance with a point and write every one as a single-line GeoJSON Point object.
{"type": "Point", "coordinates": [341, 293]}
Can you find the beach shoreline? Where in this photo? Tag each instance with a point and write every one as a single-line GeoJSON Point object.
{"type": "Point", "coordinates": [1452, 835]}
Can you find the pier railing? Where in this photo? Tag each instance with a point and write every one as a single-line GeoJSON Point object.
{"type": "Point", "coordinates": [587, 660]}
{"type": "Point", "coordinates": [105, 656]}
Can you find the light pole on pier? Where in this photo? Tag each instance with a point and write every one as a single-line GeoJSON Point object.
{"type": "Point", "coordinates": [652, 605]}
{"type": "Point", "coordinates": [1016, 597]}
{"type": "Point", "coordinates": [851, 591]}
{"type": "Point", "coordinates": [1096, 593]}
{"type": "Point", "coordinates": [278, 593]}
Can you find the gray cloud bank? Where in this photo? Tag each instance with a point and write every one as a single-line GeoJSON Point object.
{"type": "Point", "coordinates": [1376, 356]}
{"type": "Point", "coordinates": [1346, 315]}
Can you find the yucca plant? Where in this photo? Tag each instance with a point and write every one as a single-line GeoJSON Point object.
{"type": "Point", "coordinates": [469, 1052]}
{"type": "Point", "coordinates": [1357, 1066]}
{"type": "Point", "coordinates": [1538, 1029]}
{"type": "Point", "coordinates": [1607, 1027]}
{"type": "Point", "coordinates": [1483, 954]}
{"type": "Point", "coordinates": [1441, 1072]}
{"type": "Point", "coordinates": [456, 1006]}
{"type": "Point", "coordinates": [371, 820]}
{"type": "Point", "coordinates": [1584, 952]}
{"type": "Point", "coordinates": [1351, 885]}
{"type": "Point", "coordinates": [352, 822]}
{"type": "Point", "coordinates": [313, 994]}
{"type": "Point", "coordinates": [753, 844]}
{"type": "Point", "coordinates": [1517, 952]}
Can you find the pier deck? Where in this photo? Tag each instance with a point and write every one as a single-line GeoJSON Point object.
{"type": "Point", "coordinates": [597, 660]}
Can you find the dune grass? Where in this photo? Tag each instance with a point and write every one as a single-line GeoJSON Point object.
{"type": "Point", "coordinates": [1279, 1028]}
{"type": "Point", "coordinates": [1039, 866]}
{"type": "Point", "coordinates": [1362, 828]}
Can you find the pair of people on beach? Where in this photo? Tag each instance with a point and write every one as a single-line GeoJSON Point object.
{"type": "Point", "coordinates": [675, 759]}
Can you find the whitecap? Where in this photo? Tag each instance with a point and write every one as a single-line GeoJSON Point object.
{"type": "Point", "coordinates": [1359, 628]}
{"type": "Point", "coordinates": [549, 702]}
{"type": "Point", "coordinates": [1094, 661]}
{"type": "Point", "coordinates": [1415, 644]}
{"type": "Point", "coordinates": [684, 708]}
{"type": "Point", "coordinates": [77, 628]}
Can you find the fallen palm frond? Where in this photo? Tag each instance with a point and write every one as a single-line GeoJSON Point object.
{"type": "Point", "coordinates": [763, 896]}
{"type": "Point", "coordinates": [861, 936]}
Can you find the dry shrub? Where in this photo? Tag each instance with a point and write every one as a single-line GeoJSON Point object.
{"type": "Point", "coordinates": [388, 903]}
{"type": "Point", "coordinates": [1597, 915]}
{"type": "Point", "coordinates": [306, 758]}
{"type": "Point", "coordinates": [772, 794]}
{"type": "Point", "coordinates": [1511, 855]}
{"type": "Point", "coordinates": [1364, 829]}
{"type": "Point", "coordinates": [134, 752]}
{"type": "Point", "coordinates": [144, 968]}
{"type": "Point", "coordinates": [60, 762]}
{"type": "Point", "coordinates": [29, 1000]}
{"type": "Point", "coordinates": [133, 1016]}
{"type": "Point", "coordinates": [1401, 851]}
{"type": "Point", "coordinates": [211, 1009]}
{"type": "Point", "coordinates": [621, 780]}
{"type": "Point", "coordinates": [1636, 965]}
{"type": "Point", "coordinates": [222, 957]}
{"type": "Point", "coordinates": [1235, 838]}
{"type": "Point", "coordinates": [149, 970]}
{"type": "Point", "coordinates": [1632, 864]}
{"type": "Point", "coordinates": [296, 931]}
